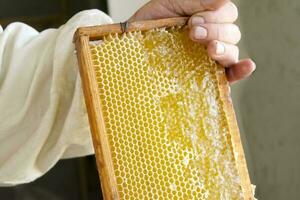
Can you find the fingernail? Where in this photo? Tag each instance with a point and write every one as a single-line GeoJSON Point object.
{"type": "Point", "coordinates": [197, 20]}
{"type": "Point", "coordinates": [220, 48]}
{"type": "Point", "coordinates": [254, 65]}
{"type": "Point", "coordinates": [200, 33]}
{"type": "Point", "coordinates": [254, 69]}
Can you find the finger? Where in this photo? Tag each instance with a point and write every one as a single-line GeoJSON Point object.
{"type": "Point", "coordinates": [226, 14]}
{"type": "Point", "coordinates": [157, 9]}
{"type": "Point", "coordinates": [224, 53]}
{"type": "Point", "coordinates": [204, 33]}
{"type": "Point", "coordinates": [240, 70]}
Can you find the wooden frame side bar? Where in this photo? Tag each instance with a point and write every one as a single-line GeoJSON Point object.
{"type": "Point", "coordinates": [92, 100]}
{"type": "Point", "coordinates": [236, 141]}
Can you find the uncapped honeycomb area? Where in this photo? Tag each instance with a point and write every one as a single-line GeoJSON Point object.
{"type": "Point", "coordinates": [164, 119]}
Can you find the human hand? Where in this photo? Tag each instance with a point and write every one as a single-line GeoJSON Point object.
{"type": "Point", "coordinates": [211, 23]}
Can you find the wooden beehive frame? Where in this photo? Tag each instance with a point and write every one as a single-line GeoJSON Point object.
{"type": "Point", "coordinates": [82, 38]}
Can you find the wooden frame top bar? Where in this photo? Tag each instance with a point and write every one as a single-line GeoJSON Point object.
{"type": "Point", "coordinates": [97, 32]}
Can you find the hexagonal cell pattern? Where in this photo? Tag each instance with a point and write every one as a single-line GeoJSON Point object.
{"type": "Point", "coordinates": [168, 133]}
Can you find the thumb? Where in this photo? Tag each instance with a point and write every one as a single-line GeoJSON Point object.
{"type": "Point", "coordinates": [157, 9]}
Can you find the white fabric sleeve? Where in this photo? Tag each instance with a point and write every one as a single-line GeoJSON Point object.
{"type": "Point", "coordinates": [43, 116]}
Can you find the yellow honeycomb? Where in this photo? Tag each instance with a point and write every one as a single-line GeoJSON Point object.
{"type": "Point", "coordinates": [167, 130]}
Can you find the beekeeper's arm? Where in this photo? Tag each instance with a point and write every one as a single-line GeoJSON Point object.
{"type": "Point", "coordinates": [42, 111]}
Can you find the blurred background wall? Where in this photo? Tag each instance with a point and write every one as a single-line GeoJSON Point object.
{"type": "Point", "coordinates": [121, 10]}
{"type": "Point", "coordinates": [44, 14]}
{"type": "Point", "coordinates": [267, 104]}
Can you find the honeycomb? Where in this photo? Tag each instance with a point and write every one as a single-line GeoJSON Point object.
{"type": "Point", "coordinates": [164, 119]}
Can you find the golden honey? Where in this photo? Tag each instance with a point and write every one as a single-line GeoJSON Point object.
{"type": "Point", "coordinates": [164, 119]}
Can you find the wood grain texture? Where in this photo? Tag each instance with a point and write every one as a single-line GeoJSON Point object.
{"type": "Point", "coordinates": [235, 134]}
{"type": "Point", "coordinates": [104, 161]}
{"type": "Point", "coordinates": [100, 141]}
{"type": "Point", "coordinates": [97, 32]}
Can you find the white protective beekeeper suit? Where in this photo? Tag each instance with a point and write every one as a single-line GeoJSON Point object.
{"type": "Point", "coordinates": [42, 112]}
